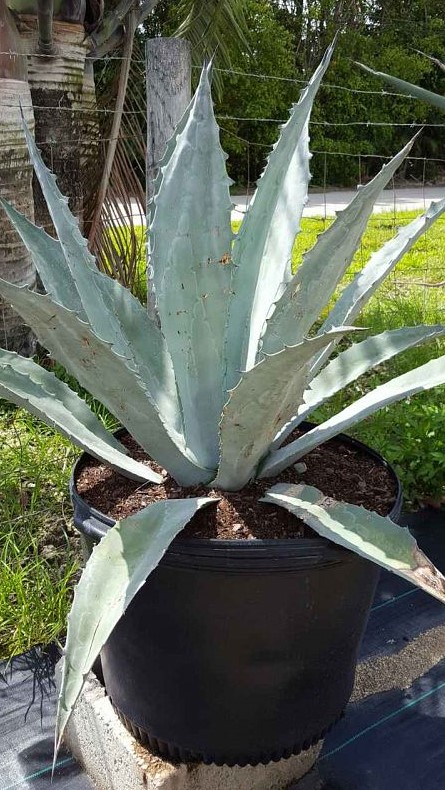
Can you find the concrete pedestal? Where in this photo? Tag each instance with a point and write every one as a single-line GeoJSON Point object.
{"type": "Point", "coordinates": [114, 760]}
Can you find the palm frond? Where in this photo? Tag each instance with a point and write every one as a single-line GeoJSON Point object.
{"type": "Point", "coordinates": [116, 238]}
{"type": "Point", "coordinates": [209, 25]}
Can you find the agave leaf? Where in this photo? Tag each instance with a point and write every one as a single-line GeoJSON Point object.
{"type": "Point", "coordinates": [151, 258]}
{"type": "Point", "coordinates": [132, 548]}
{"type": "Point", "coordinates": [356, 361]}
{"type": "Point", "coordinates": [49, 260]}
{"type": "Point", "coordinates": [407, 87]}
{"type": "Point", "coordinates": [80, 262]}
{"type": "Point", "coordinates": [142, 341]}
{"type": "Point", "coordinates": [108, 376]}
{"type": "Point", "coordinates": [146, 347]}
{"type": "Point", "coordinates": [380, 264]}
{"type": "Point", "coordinates": [168, 153]}
{"type": "Point", "coordinates": [325, 264]}
{"type": "Point", "coordinates": [265, 398]}
{"type": "Point", "coordinates": [434, 60]}
{"type": "Point", "coordinates": [420, 379]}
{"type": "Point", "coordinates": [371, 536]}
{"type": "Point", "coordinates": [193, 270]}
{"type": "Point", "coordinates": [41, 393]}
{"type": "Point", "coordinates": [262, 250]}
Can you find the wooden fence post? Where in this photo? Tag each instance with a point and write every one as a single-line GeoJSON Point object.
{"type": "Point", "coordinates": [168, 62]}
{"type": "Point", "coordinates": [168, 70]}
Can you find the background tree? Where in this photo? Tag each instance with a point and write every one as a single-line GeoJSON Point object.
{"type": "Point", "coordinates": [271, 51]}
{"type": "Point", "coordinates": [385, 34]}
{"type": "Point", "coordinates": [15, 179]}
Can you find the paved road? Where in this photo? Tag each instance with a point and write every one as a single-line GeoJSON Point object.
{"type": "Point", "coordinates": [319, 204]}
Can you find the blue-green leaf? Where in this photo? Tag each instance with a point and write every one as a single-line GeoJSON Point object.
{"type": "Point", "coordinates": [116, 570]}
{"type": "Point", "coordinates": [381, 263]}
{"type": "Point", "coordinates": [262, 250]}
{"type": "Point", "coordinates": [31, 387]}
{"type": "Point", "coordinates": [420, 379]}
{"type": "Point", "coordinates": [354, 362]}
{"type": "Point", "coordinates": [78, 258]}
{"type": "Point", "coordinates": [108, 376]}
{"type": "Point", "coordinates": [261, 403]}
{"type": "Point", "coordinates": [49, 260]}
{"type": "Point", "coordinates": [151, 258]}
{"type": "Point", "coordinates": [325, 264]}
{"type": "Point", "coordinates": [169, 151]}
{"type": "Point", "coordinates": [191, 241]}
{"type": "Point", "coordinates": [415, 91]}
{"type": "Point", "coordinates": [373, 537]}
{"type": "Point", "coordinates": [140, 339]}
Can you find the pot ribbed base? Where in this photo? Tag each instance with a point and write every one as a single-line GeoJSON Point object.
{"type": "Point", "coordinates": [170, 751]}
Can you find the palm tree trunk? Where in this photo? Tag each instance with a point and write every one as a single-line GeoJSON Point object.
{"type": "Point", "coordinates": [57, 84]}
{"type": "Point", "coordinates": [15, 180]}
{"type": "Point", "coordinates": [16, 186]}
{"type": "Point", "coordinates": [92, 152]}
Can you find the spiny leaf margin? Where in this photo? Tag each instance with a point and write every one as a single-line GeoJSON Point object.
{"type": "Point", "coordinates": [133, 547]}
{"type": "Point", "coordinates": [368, 534]}
{"type": "Point", "coordinates": [40, 392]}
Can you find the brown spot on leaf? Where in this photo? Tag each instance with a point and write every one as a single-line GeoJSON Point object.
{"type": "Point", "coordinates": [248, 449]}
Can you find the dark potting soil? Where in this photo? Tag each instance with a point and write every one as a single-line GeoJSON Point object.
{"type": "Point", "coordinates": [340, 471]}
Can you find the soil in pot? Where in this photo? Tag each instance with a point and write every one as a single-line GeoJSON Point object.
{"type": "Point", "coordinates": [342, 471]}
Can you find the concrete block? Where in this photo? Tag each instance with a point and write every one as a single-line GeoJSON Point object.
{"type": "Point", "coordinates": [114, 760]}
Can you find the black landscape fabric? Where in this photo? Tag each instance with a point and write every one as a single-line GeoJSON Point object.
{"type": "Point", "coordinates": [391, 738]}
{"type": "Point", "coordinates": [27, 710]}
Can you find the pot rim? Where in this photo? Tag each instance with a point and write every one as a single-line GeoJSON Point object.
{"type": "Point", "coordinates": [96, 524]}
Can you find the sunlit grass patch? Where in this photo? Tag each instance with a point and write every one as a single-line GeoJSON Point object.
{"type": "Point", "coordinates": [38, 555]}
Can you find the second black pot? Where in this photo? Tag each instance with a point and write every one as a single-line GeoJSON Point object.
{"type": "Point", "coordinates": [237, 652]}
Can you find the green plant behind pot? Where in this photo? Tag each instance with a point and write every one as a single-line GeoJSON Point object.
{"type": "Point", "coordinates": [215, 380]}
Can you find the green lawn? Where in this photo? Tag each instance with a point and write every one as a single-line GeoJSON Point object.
{"type": "Point", "coordinates": [410, 434]}
{"type": "Point", "coordinates": [39, 556]}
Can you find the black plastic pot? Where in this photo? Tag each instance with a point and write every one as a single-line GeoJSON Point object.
{"type": "Point", "coordinates": [237, 652]}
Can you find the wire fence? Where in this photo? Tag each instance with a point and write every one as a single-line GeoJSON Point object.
{"type": "Point", "coordinates": [422, 277]}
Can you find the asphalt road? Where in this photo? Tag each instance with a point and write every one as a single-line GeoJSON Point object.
{"type": "Point", "coordinates": [327, 203]}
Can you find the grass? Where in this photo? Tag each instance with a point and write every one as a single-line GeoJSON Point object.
{"type": "Point", "coordinates": [38, 560]}
{"type": "Point", "coordinates": [39, 557]}
{"type": "Point", "coordinates": [40, 553]}
{"type": "Point", "coordinates": [410, 434]}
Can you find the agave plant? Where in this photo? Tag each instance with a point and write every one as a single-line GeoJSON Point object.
{"type": "Point", "coordinates": [213, 384]}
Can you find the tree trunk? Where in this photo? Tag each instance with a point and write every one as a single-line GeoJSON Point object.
{"type": "Point", "coordinates": [92, 155]}
{"type": "Point", "coordinates": [16, 186]}
{"type": "Point", "coordinates": [15, 178]}
{"type": "Point", "coordinates": [57, 85]}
